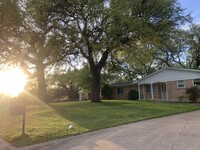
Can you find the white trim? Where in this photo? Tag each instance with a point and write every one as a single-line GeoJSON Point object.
{"type": "Point", "coordinates": [171, 68]}
{"type": "Point", "coordinates": [168, 81]}
{"type": "Point", "coordinates": [121, 91]}
{"type": "Point", "coordinates": [177, 84]}
{"type": "Point", "coordinates": [151, 91]}
{"type": "Point", "coordinates": [139, 91]}
{"type": "Point", "coordinates": [193, 81]}
{"type": "Point", "coordinates": [167, 96]}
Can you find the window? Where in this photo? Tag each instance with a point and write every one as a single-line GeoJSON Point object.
{"type": "Point", "coordinates": [155, 89]}
{"type": "Point", "coordinates": [148, 88]}
{"type": "Point", "coordinates": [120, 91]}
{"type": "Point", "coordinates": [180, 84]}
{"type": "Point", "coordinates": [196, 81]}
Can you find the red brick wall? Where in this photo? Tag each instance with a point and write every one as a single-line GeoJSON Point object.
{"type": "Point", "coordinates": [174, 92]}
{"type": "Point", "coordinates": [126, 91]}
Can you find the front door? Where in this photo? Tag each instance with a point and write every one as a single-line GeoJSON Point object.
{"type": "Point", "coordinates": [163, 91]}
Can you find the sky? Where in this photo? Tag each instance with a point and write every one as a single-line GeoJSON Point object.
{"type": "Point", "coordinates": [193, 7]}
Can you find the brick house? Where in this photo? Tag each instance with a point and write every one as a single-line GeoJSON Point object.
{"type": "Point", "coordinates": [121, 90]}
{"type": "Point", "coordinates": [166, 84]}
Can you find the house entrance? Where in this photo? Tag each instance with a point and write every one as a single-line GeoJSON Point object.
{"type": "Point", "coordinates": [163, 91]}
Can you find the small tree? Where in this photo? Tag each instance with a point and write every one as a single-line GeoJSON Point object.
{"type": "Point", "coordinates": [133, 95]}
{"type": "Point", "coordinates": [64, 84]}
{"type": "Point", "coordinates": [193, 93]}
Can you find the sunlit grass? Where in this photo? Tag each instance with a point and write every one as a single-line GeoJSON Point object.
{"type": "Point", "coordinates": [44, 123]}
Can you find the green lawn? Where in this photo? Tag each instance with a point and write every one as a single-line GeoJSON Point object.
{"type": "Point", "coordinates": [48, 122]}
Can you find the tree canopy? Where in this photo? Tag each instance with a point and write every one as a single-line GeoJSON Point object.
{"type": "Point", "coordinates": [101, 28]}
{"type": "Point", "coordinates": [193, 42]}
{"type": "Point", "coordinates": [38, 41]}
{"type": "Point", "coordinates": [136, 34]}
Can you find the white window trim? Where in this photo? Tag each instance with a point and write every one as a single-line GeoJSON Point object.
{"type": "Point", "coordinates": [178, 84]}
{"type": "Point", "coordinates": [193, 81]}
{"type": "Point", "coordinates": [120, 93]}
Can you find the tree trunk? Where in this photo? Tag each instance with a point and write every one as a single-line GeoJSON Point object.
{"type": "Point", "coordinates": [198, 62]}
{"type": "Point", "coordinates": [96, 76]}
{"type": "Point", "coordinates": [42, 89]}
{"type": "Point", "coordinates": [95, 88]}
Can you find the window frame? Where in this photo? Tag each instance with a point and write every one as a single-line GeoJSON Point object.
{"type": "Point", "coordinates": [196, 81]}
{"type": "Point", "coordinates": [149, 90]}
{"type": "Point", "coordinates": [178, 84]}
{"type": "Point", "coordinates": [120, 91]}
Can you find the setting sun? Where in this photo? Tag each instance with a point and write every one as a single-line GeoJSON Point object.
{"type": "Point", "coordinates": [12, 82]}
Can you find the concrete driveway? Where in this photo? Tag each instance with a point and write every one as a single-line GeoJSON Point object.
{"type": "Point", "coordinates": [178, 132]}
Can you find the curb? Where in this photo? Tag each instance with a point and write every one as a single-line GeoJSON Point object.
{"type": "Point", "coordinates": [6, 146]}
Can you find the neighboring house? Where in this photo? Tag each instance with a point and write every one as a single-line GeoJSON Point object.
{"type": "Point", "coordinates": [121, 90]}
{"type": "Point", "coordinates": [166, 84]}
{"type": "Point", "coordinates": [84, 96]}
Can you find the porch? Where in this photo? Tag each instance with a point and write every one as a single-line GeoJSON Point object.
{"type": "Point", "coordinates": [153, 91]}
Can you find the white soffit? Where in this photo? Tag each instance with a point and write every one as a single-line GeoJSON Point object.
{"type": "Point", "coordinates": [170, 74]}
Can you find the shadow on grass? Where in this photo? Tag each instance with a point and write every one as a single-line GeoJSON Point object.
{"type": "Point", "coordinates": [94, 116]}
{"type": "Point", "coordinates": [21, 140]}
{"type": "Point", "coordinates": [50, 122]}
{"type": "Point", "coordinates": [113, 112]}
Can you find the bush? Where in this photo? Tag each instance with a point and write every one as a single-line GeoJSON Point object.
{"type": "Point", "coordinates": [193, 93]}
{"type": "Point", "coordinates": [181, 99]}
{"type": "Point", "coordinates": [133, 95]}
{"type": "Point", "coordinates": [106, 92]}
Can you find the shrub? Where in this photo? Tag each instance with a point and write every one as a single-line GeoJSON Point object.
{"type": "Point", "coordinates": [193, 93]}
{"type": "Point", "coordinates": [133, 95]}
{"type": "Point", "coordinates": [181, 99]}
{"type": "Point", "coordinates": [106, 92]}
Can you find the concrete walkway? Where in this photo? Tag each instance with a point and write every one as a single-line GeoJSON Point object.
{"type": "Point", "coordinates": [178, 132]}
{"type": "Point", "coordinates": [6, 146]}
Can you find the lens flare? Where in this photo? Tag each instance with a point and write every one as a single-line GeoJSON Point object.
{"type": "Point", "coordinates": [12, 82]}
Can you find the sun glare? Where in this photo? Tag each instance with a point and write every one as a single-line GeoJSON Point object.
{"type": "Point", "coordinates": [12, 82]}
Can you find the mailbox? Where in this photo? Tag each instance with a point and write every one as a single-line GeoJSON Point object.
{"type": "Point", "coordinates": [19, 110]}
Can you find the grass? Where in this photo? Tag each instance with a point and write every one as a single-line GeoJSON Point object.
{"type": "Point", "coordinates": [48, 122]}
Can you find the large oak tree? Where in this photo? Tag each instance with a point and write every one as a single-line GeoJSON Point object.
{"type": "Point", "coordinates": [37, 42]}
{"type": "Point", "coordinates": [98, 27]}
{"type": "Point", "coordinates": [193, 42]}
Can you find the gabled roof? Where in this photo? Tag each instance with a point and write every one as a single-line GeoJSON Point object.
{"type": "Point", "coordinates": [170, 74]}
